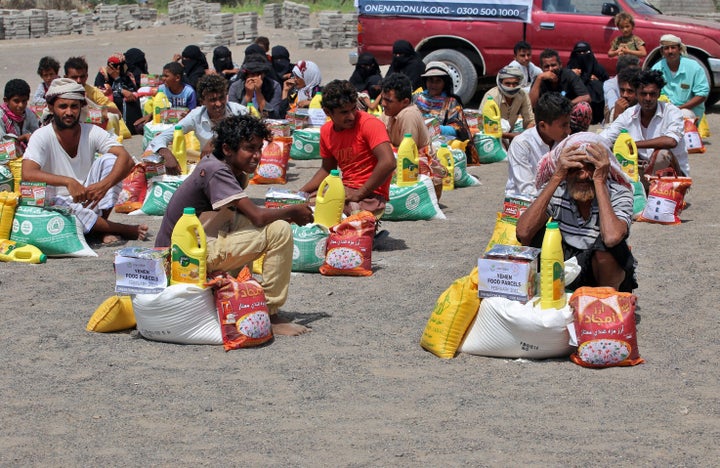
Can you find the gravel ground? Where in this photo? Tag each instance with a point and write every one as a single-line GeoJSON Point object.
{"type": "Point", "coordinates": [358, 390]}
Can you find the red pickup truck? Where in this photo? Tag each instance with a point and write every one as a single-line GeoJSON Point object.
{"type": "Point", "coordinates": [476, 47]}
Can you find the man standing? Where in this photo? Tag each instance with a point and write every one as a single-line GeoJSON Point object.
{"type": "Point", "coordinates": [656, 127]}
{"type": "Point", "coordinates": [63, 156]}
{"type": "Point", "coordinates": [358, 144]}
{"type": "Point", "coordinates": [686, 83]}
{"type": "Point", "coordinates": [584, 191]}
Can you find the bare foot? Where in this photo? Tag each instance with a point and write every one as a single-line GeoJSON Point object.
{"type": "Point", "coordinates": [283, 326]}
{"type": "Point", "coordinates": [110, 240]}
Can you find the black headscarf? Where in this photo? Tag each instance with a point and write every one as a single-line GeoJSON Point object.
{"type": "Point", "coordinates": [281, 61]}
{"type": "Point", "coordinates": [194, 64]}
{"type": "Point", "coordinates": [406, 61]}
{"type": "Point", "coordinates": [257, 49]}
{"type": "Point", "coordinates": [365, 68]}
{"type": "Point", "coordinates": [583, 58]}
{"type": "Point", "coordinates": [136, 63]}
{"type": "Point", "coordinates": [222, 60]}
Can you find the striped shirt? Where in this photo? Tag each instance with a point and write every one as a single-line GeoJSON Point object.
{"type": "Point", "coordinates": [578, 232]}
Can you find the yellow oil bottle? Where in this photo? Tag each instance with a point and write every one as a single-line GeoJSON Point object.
{"type": "Point", "coordinates": [11, 251]}
{"type": "Point", "coordinates": [446, 159]}
{"type": "Point", "coordinates": [408, 162]}
{"type": "Point", "coordinates": [178, 148]}
{"type": "Point", "coordinates": [330, 200]}
{"type": "Point", "coordinates": [626, 153]}
{"type": "Point", "coordinates": [188, 250]}
{"type": "Point", "coordinates": [491, 118]}
{"type": "Point", "coordinates": [552, 269]}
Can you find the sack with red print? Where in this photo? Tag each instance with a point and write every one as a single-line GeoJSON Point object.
{"type": "Point", "coordinates": [273, 165]}
{"type": "Point", "coordinates": [242, 310]}
{"type": "Point", "coordinates": [604, 328]}
{"type": "Point", "coordinates": [666, 198]}
{"type": "Point", "coordinates": [349, 247]}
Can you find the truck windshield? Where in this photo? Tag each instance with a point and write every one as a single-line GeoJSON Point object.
{"type": "Point", "coordinates": [643, 7]}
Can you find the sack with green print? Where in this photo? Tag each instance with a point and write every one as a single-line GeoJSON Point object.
{"type": "Point", "coordinates": [56, 232]}
{"type": "Point", "coordinates": [305, 144]}
{"type": "Point", "coordinates": [413, 203]}
{"type": "Point", "coordinates": [489, 148]}
{"type": "Point", "coordinates": [160, 191]}
{"type": "Point", "coordinates": [309, 243]}
{"type": "Point", "coordinates": [462, 177]}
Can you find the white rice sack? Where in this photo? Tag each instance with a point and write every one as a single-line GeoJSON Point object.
{"type": "Point", "coordinates": [510, 329]}
{"type": "Point", "coordinates": [55, 233]}
{"type": "Point", "coordinates": [183, 313]}
{"type": "Point", "coordinates": [413, 203]}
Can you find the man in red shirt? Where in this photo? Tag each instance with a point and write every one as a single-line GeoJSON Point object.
{"type": "Point", "coordinates": [358, 144]}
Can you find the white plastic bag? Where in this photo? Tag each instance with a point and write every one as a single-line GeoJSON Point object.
{"type": "Point", "coordinates": [505, 328]}
{"type": "Point", "coordinates": [183, 313]}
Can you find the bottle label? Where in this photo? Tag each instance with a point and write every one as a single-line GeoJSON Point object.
{"type": "Point", "coordinates": [185, 269]}
{"type": "Point", "coordinates": [629, 166]}
{"type": "Point", "coordinates": [410, 170]}
{"type": "Point", "coordinates": [491, 126]}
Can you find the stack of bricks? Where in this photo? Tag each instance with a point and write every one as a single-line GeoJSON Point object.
{"type": "Point", "coordinates": [108, 17]}
{"type": "Point", "coordinates": [350, 21]}
{"type": "Point", "coordinates": [246, 27]}
{"type": "Point", "coordinates": [17, 26]}
{"type": "Point", "coordinates": [194, 13]}
{"type": "Point", "coordinates": [295, 16]}
{"type": "Point", "coordinates": [38, 23]}
{"type": "Point", "coordinates": [332, 29]}
{"type": "Point", "coordinates": [273, 15]}
{"type": "Point", "coordinates": [222, 29]}
{"type": "Point", "coordinates": [60, 23]}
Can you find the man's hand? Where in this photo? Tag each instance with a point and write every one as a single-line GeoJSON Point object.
{"type": "Point", "coordinates": [253, 85]}
{"type": "Point", "coordinates": [301, 214]}
{"type": "Point", "coordinates": [571, 157]}
{"type": "Point", "coordinates": [621, 106]}
{"type": "Point", "coordinates": [354, 195]}
{"type": "Point", "coordinates": [598, 156]}
{"type": "Point", "coordinates": [172, 166]}
{"type": "Point", "coordinates": [77, 191]}
{"type": "Point", "coordinates": [94, 193]}
{"type": "Point", "coordinates": [548, 76]}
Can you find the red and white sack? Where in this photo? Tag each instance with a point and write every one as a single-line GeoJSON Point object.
{"type": "Point", "coordinates": [604, 328]}
{"type": "Point", "coordinates": [349, 247]}
{"type": "Point", "coordinates": [693, 141]}
{"type": "Point", "coordinates": [134, 189]}
{"type": "Point", "coordinates": [273, 165]}
{"type": "Point", "coordinates": [242, 310]}
{"type": "Point", "coordinates": [666, 198]}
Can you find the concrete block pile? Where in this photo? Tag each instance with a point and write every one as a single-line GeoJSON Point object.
{"type": "Point", "coordinates": [246, 28]}
{"type": "Point", "coordinates": [60, 23]}
{"type": "Point", "coordinates": [295, 16]}
{"type": "Point", "coordinates": [273, 15]}
{"type": "Point", "coordinates": [221, 28]}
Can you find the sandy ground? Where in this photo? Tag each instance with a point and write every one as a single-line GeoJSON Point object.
{"type": "Point", "coordinates": [358, 390]}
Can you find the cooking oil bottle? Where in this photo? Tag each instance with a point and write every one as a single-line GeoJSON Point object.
{"type": "Point", "coordinates": [626, 153]}
{"type": "Point", "coordinates": [552, 269]}
{"type": "Point", "coordinates": [188, 250]}
{"type": "Point", "coordinates": [491, 118]}
{"type": "Point", "coordinates": [408, 162]}
{"type": "Point", "coordinates": [330, 200]}
{"type": "Point", "coordinates": [178, 148]}
{"type": "Point", "coordinates": [446, 159]}
{"type": "Point", "coordinates": [11, 251]}
{"type": "Point", "coordinates": [160, 103]}
{"type": "Point", "coordinates": [8, 204]}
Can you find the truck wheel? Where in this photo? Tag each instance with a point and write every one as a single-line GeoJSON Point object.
{"type": "Point", "coordinates": [462, 71]}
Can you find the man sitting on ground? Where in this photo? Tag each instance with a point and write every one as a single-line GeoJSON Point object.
{"type": "Point", "coordinates": [553, 125]}
{"type": "Point", "coordinates": [358, 144]}
{"type": "Point", "coordinates": [611, 89]}
{"type": "Point", "coordinates": [628, 97]}
{"type": "Point", "coordinates": [585, 192]}
{"type": "Point", "coordinates": [512, 100]}
{"type": "Point", "coordinates": [213, 93]}
{"type": "Point", "coordinates": [656, 127]}
{"type": "Point", "coordinates": [239, 231]}
{"type": "Point", "coordinates": [63, 156]}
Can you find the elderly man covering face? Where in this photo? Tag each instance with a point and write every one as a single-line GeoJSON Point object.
{"type": "Point", "coordinates": [63, 156]}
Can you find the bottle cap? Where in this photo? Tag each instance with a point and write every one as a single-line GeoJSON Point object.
{"type": "Point", "coordinates": [623, 130]}
{"type": "Point", "coordinates": [335, 172]}
{"type": "Point", "coordinates": [552, 225]}
{"type": "Point", "coordinates": [178, 127]}
{"type": "Point", "coordinates": [43, 258]}
{"type": "Point", "coordinates": [188, 210]}
{"type": "Point", "coordinates": [443, 145]}
{"type": "Point", "coordinates": [490, 98]}
{"type": "Point", "coordinates": [408, 135]}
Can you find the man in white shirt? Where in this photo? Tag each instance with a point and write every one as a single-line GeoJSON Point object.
{"type": "Point", "coordinates": [656, 127]}
{"type": "Point", "coordinates": [213, 93]}
{"type": "Point", "coordinates": [523, 61]}
{"type": "Point", "coordinates": [611, 87]}
{"type": "Point", "coordinates": [552, 117]}
{"type": "Point", "coordinates": [63, 156]}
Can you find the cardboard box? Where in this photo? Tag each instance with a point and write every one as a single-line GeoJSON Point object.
{"type": "Point", "coordinates": [141, 270]}
{"type": "Point", "coordinates": [509, 271]}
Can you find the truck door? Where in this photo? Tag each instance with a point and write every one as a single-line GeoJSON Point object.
{"type": "Point", "coordinates": [559, 24]}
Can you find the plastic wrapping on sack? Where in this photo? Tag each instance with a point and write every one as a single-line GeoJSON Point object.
{"type": "Point", "coordinates": [56, 232]}
{"type": "Point", "coordinates": [413, 203]}
{"type": "Point", "coordinates": [693, 141]}
{"type": "Point", "coordinates": [7, 183]}
{"type": "Point", "coordinates": [151, 130]}
{"type": "Point", "coordinates": [134, 189]}
{"type": "Point", "coordinates": [242, 310]}
{"type": "Point", "coordinates": [160, 191]}
{"type": "Point", "coordinates": [183, 313]}
{"type": "Point", "coordinates": [462, 177]}
{"type": "Point", "coordinates": [349, 247]}
{"type": "Point", "coordinates": [489, 148]}
{"type": "Point", "coordinates": [604, 328]}
{"type": "Point", "coordinates": [510, 329]}
{"type": "Point", "coordinates": [305, 144]}
{"type": "Point", "coordinates": [506, 221]}
{"type": "Point", "coordinates": [309, 246]}
{"type": "Point", "coordinates": [273, 165]}
{"type": "Point", "coordinates": [666, 200]}
{"type": "Point", "coordinates": [279, 197]}
{"type": "Point", "coordinates": [454, 311]}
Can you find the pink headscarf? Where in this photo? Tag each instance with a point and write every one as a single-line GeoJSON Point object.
{"type": "Point", "coordinates": [548, 163]}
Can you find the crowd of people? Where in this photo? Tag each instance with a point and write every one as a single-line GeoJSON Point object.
{"type": "Point", "coordinates": [570, 174]}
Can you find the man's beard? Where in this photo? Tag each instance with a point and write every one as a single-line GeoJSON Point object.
{"type": "Point", "coordinates": [61, 125]}
{"type": "Point", "coordinates": [582, 194]}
